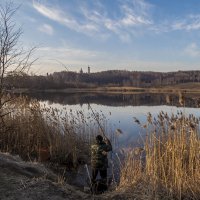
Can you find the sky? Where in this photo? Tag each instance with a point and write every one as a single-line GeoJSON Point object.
{"type": "Point", "coordinates": [134, 35]}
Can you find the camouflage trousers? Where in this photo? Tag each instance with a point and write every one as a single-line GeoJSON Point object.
{"type": "Point", "coordinates": [103, 174]}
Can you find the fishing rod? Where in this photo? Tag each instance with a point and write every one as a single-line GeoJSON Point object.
{"type": "Point", "coordinates": [111, 160]}
{"type": "Point", "coordinates": [97, 121]}
{"type": "Point", "coordinates": [63, 65]}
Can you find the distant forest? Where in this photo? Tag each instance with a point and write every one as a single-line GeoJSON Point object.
{"type": "Point", "coordinates": [69, 79]}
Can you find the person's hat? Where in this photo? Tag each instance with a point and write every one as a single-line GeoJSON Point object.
{"type": "Point", "coordinates": [99, 138]}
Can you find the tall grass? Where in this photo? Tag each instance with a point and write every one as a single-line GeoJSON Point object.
{"type": "Point", "coordinates": [42, 132]}
{"type": "Point", "coordinates": [38, 132]}
{"type": "Point", "coordinates": [169, 165]}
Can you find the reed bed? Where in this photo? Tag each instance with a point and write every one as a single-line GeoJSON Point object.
{"type": "Point", "coordinates": [168, 165]}
{"type": "Point", "coordinates": [37, 132]}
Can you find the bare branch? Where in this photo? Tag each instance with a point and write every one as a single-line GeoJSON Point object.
{"type": "Point", "coordinates": [13, 57]}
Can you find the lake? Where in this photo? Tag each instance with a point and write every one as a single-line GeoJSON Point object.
{"type": "Point", "coordinates": [117, 111]}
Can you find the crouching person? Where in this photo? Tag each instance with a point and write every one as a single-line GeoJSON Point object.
{"type": "Point", "coordinates": [99, 163]}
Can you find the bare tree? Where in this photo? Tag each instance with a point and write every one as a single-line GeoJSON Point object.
{"type": "Point", "coordinates": [14, 59]}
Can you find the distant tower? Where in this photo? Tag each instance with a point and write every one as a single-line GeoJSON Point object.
{"type": "Point", "coordinates": [81, 71]}
{"type": "Point", "coordinates": [88, 69]}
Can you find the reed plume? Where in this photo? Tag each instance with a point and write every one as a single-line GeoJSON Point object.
{"type": "Point", "coordinates": [169, 167]}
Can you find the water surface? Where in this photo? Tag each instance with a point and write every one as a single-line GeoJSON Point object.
{"type": "Point", "coordinates": [118, 110]}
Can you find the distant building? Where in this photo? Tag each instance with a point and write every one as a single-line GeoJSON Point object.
{"type": "Point", "coordinates": [81, 71]}
{"type": "Point", "coordinates": [88, 69]}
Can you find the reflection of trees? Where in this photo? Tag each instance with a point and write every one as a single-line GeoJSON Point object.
{"type": "Point", "coordinates": [114, 99]}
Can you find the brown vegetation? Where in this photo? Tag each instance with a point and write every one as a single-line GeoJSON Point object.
{"type": "Point", "coordinates": [37, 132]}
{"type": "Point", "coordinates": [169, 165]}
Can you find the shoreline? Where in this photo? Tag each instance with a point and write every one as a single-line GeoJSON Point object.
{"type": "Point", "coordinates": [111, 90]}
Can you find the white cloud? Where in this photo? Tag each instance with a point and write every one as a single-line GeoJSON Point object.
{"type": "Point", "coordinates": [192, 50]}
{"type": "Point", "coordinates": [188, 23]}
{"type": "Point", "coordinates": [53, 59]}
{"type": "Point", "coordinates": [46, 28]}
{"type": "Point", "coordinates": [191, 22]}
{"type": "Point", "coordinates": [133, 18]}
{"type": "Point", "coordinates": [61, 17]}
{"type": "Point", "coordinates": [98, 21]}
{"type": "Point", "coordinates": [137, 13]}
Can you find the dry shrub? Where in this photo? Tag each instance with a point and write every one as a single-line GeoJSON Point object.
{"type": "Point", "coordinates": [169, 166]}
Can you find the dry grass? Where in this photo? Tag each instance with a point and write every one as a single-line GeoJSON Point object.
{"type": "Point", "coordinates": [43, 133]}
{"type": "Point", "coordinates": [167, 167]}
{"type": "Point", "coordinates": [169, 164]}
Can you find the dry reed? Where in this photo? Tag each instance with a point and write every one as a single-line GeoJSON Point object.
{"type": "Point", "coordinates": [42, 133]}
{"type": "Point", "coordinates": [169, 165]}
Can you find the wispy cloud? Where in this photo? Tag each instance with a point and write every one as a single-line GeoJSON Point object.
{"type": "Point", "coordinates": [46, 28]}
{"type": "Point", "coordinates": [136, 13]}
{"type": "Point", "coordinates": [192, 50]}
{"type": "Point", "coordinates": [70, 55]}
{"type": "Point", "coordinates": [51, 57]}
{"type": "Point", "coordinates": [190, 23]}
{"type": "Point", "coordinates": [187, 23]}
{"type": "Point", "coordinates": [98, 20]}
{"type": "Point", "coordinates": [133, 18]}
{"type": "Point", "coordinates": [61, 17]}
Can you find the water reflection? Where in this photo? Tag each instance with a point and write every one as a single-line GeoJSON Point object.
{"type": "Point", "coordinates": [120, 109]}
{"type": "Point", "coordinates": [149, 99]}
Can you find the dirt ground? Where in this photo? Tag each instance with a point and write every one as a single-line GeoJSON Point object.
{"type": "Point", "coordinates": [21, 180]}
{"type": "Point", "coordinates": [25, 180]}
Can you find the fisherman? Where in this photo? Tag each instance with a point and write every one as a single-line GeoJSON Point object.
{"type": "Point", "coordinates": [99, 159]}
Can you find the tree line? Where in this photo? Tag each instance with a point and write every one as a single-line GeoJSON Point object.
{"type": "Point", "coordinates": [118, 78]}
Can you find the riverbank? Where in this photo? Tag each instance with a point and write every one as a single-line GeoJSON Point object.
{"type": "Point", "coordinates": [166, 168]}
{"type": "Point", "coordinates": [33, 181]}
{"type": "Point", "coordinates": [184, 88]}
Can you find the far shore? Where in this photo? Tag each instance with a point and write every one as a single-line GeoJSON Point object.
{"type": "Point", "coordinates": [183, 88]}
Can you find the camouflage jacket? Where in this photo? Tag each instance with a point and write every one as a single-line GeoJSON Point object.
{"type": "Point", "coordinates": [99, 159]}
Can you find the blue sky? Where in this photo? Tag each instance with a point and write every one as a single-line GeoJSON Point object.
{"type": "Point", "coordinates": [135, 35]}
